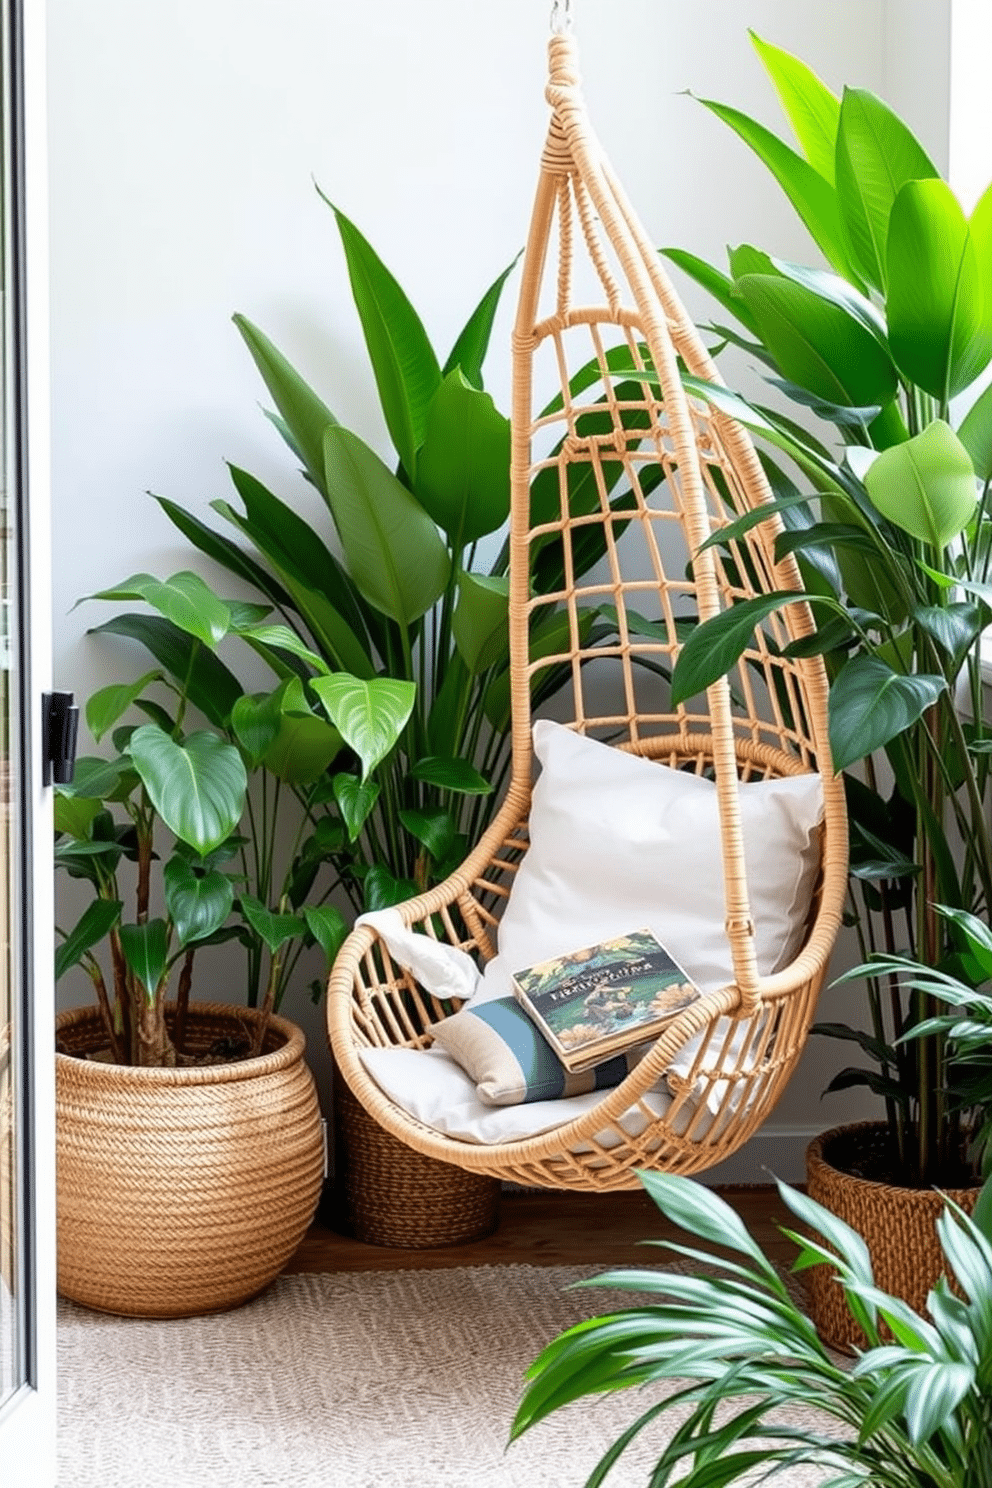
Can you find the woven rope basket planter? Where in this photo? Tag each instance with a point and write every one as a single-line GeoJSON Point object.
{"type": "Point", "coordinates": [389, 1194]}
{"type": "Point", "coordinates": [182, 1191]}
{"type": "Point", "coordinates": [897, 1224]}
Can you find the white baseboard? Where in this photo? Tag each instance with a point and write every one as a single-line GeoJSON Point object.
{"type": "Point", "coordinates": [776, 1151]}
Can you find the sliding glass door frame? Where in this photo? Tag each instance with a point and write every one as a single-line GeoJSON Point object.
{"type": "Point", "coordinates": [27, 1416]}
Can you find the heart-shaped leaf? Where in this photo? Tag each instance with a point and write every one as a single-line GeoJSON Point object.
{"type": "Point", "coordinates": [382, 890]}
{"type": "Point", "coordinates": [96, 921]}
{"type": "Point", "coordinates": [328, 927]}
{"type": "Point", "coordinates": [74, 815]}
{"type": "Point", "coordinates": [197, 905]}
{"type": "Point", "coordinates": [105, 707]}
{"type": "Point", "coordinates": [197, 787]}
{"type": "Point", "coordinates": [303, 748]}
{"type": "Point", "coordinates": [355, 800]}
{"type": "Point", "coordinates": [274, 929]}
{"type": "Point", "coordinates": [255, 721]}
{"type": "Point", "coordinates": [435, 830]}
{"type": "Point", "coordinates": [146, 951]}
{"type": "Point", "coordinates": [925, 486]}
{"type": "Point", "coordinates": [870, 705]}
{"type": "Point", "coordinates": [370, 715]}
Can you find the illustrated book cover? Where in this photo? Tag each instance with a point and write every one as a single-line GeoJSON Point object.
{"type": "Point", "coordinates": [593, 1003]}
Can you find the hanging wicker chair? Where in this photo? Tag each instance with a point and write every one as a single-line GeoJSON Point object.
{"type": "Point", "coordinates": [688, 470]}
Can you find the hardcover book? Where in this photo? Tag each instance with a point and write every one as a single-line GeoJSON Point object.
{"type": "Point", "coordinates": [596, 1002]}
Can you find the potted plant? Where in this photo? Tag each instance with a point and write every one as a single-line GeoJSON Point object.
{"type": "Point", "coordinates": [189, 1139]}
{"type": "Point", "coordinates": [887, 510]}
{"type": "Point", "coordinates": [736, 1349]}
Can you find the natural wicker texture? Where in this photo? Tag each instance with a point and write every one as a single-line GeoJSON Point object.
{"type": "Point", "coordinates": [897, 1224]}
{"type": "Point", "coordinates": [389, 1194]}
{"type": "Point", "coordinates": [684, 471]}
{"type": "Point", "coordinates": [182, 1190]}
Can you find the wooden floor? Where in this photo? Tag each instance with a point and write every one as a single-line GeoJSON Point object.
{"type": "Point", "coordinates": [550, 1229]}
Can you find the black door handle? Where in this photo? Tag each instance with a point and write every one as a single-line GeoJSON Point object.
{"type": "Point", "coordinates": [59, 727]}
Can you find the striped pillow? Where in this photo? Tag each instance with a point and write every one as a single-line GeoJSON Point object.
{"type": "Point", "coordinates": [499, 1047]}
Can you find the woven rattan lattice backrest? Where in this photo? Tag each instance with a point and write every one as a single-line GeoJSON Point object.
{"type": "Point", "coordinates": [619, 477]}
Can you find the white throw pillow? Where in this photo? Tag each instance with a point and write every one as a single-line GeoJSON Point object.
{"type": "Point", "coordinates": [619, 843]}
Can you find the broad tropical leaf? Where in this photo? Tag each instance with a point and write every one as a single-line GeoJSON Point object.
{"type": "Point", "coordinates": [876, 155]}
{"type": "Point", "coordinates": [184, 599]}
{"type": "Point", "coordinates": [811, 108]}
{"type": "Point", "coordinates": [255, 723]}
{"type": "Point", "coordinates": [328, 927]}
{"type": "Point", "coordinates": [370, 716]}
{"type": "Point", "coordinates": [355, 799]}
{"type": "Point", "coordinates": [870, 704]}
{"type": "Point", "coordinates": [479, 623]}
{"type": "Point", "coordinates": [818, 343]}
{"type": "Point", "coordinates": [197, 905]}
{"type": "Point", "coordinates": [717, 645]}
{"type": "Point", "coordinates": [305, 415]}
{"type": "Point", "coordinates": [197, 787]}
{"type": "Point", "coordinates": [403, 361]}
{"type": "Point", "coordinates": [274, 929]}
{"type": "Point", "coordinates": [97, 920]}
{"type": "Point", "coordinates": [395, 553]}
{"type": "Point", "coordinates": [103, 708]}
{"type": "Point", "coordinates": [458, 775]}
{"type": "Point", "coordinates": [940, 328]}
{"type": "Point", "coordinates": [925, 486]}
{"type": "Point", "coordinates": [469, 350]}
{"type": "Point", "coordinates": [210, 686]}
{"type": "Point", "coordinates": [146, 951]}
{"type": "Point", "coordinates": [463, 469]}
{"type": "Point", "coordinates": [303, 748]}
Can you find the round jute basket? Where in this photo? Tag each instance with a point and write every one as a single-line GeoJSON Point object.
{"type": "Point", "coordinates": [182, 1191]}
{"type": "Point", "coordinates": [389, 1194]}
{"type": "Point", "coordinates": [899, 1226]}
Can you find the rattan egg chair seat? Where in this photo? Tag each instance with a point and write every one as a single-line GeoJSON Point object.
{"type": "Point", "coordinates": [594, 295]}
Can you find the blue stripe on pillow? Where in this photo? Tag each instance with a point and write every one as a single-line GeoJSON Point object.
{"type": "Point", "coordinates": [543, 1071]}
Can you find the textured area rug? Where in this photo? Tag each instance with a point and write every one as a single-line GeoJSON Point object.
{"type": "Point", "coordinates": [403, 1379]}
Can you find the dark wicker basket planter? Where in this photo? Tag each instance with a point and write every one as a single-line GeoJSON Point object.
{"type": "Point", "coordinates": [897, 1224]}
{"type": "Point", "coordinates": [389, 1194]}
{"type": "Point", "coordinates": [182, 1191]}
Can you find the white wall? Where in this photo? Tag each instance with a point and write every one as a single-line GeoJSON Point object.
{"type": "Point", "coordinates": [184, 135]}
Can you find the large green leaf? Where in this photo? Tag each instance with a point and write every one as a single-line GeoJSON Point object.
{"type": "Point", "coordinates": [197, 787]}
{"type": "Point", "coordinates": [876, 155]}
{"type": "Point", "coordinates": [870, 705]}
{"type": "Point", "coordinates": [469, 350]}
{"type": "Point", "coordinates": [975, 433]}
{"type": "Point", "coordinates": [714, 281]}
{"type": "Point", "coordinates": [925, 486]}
{"type": "Point", "coordinates": [836, 291]}
{"type": "Point", "coordinates": [355, 800]}
{"type": "Point", "coordinates": [328, 927]}
{"type": "Point", "coordinates": [97, 920]}
{"type": "Point", "coordinates": [255, 722]}
{"type": "Point", "coordinates": [395, 553]}
{"type": "Point", "coordinates": [403, 361]}
{"type": "Point", "coordinates": [274, 929]}
{"type": "Point", "coordinates": [74, 815]}
{"type": "Point", "coordinates": [463, 469]}
{"type": "Point", "coordinates": [714, 647]}
{"type": "Point", "coordinates": [434, 830]}
{"type": "Point", "coordinates": [940, 330]}
{"type": "Point", "coordinates": [146, 951]}
{"type": "Point", "coordinates": [96, 779]}
{"type": "Point", "coordinates": [479, 623]}
{"type": "Point", "coordinates": [819, 344]}
{"type": "Point", "coordinates": [371, 715]}
{"type": "Point", "coordinates": [304, 413]}
{"type": "Point", "coordinates": [223, 551]}
{"type": "Point", "coordinates": [811, 108]}
{"type": "Point", "coordinates": [197, 905]}
{"type": "Point", "coordinates": [104, 708]}
{"type": "Point", "coordinates": [458, 775]}
{"type": "Point", "coordinates": [184, 599]}
{"type": "Point", "coordinates": [812, 196]}
{"type": "Point", "coordinates": [303, 748]}
{"type": "Point", "coordinates": [210, 686]}
{"type": "Point", "coordinates": [283, 639]}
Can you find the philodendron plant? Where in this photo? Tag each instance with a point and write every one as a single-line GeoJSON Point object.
{"type": "Point", "coordinates": [393, 610]}
{"type": "Point", "coordinates": [167, 808]}
{"type": "Point", "coordinates": [887, 511]}
{"type": "Point", "coordinates": [731, 1349]}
